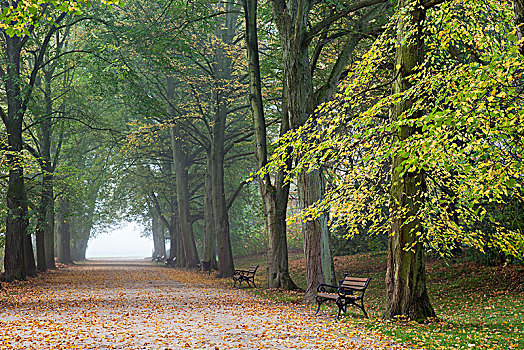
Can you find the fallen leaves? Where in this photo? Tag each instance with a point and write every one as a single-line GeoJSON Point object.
{"type": "Point", "coordinates": [134, 306]}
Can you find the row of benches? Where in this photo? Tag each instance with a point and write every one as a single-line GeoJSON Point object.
{"type": "Point", "coordinates": [350, 290]}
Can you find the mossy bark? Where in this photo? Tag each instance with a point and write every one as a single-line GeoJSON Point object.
{"type": "Point", "coordinates": [406, 276]}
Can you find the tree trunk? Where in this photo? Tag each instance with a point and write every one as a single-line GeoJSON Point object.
{"type": "Point", "coordinates": [406, 276]}
{"type": "Point", "coordinates": [222, 71]}
{"type": "Point", "coordinates": [16, 223]}
{"type": "Point", "coordinates": [182, 183]}
{"type": "Point", "coordinates": [63, 233]}
{"type": "Point", "coordinates": [79, 247]}
{"type": "Point", "coordinates": [292, 20]}
{"type": "Point", "coordinates": [274, 198]}
{"type": "Point", "coordinates": [209, 220]}
{"type": "Point", "coordinates": [29, 257]}
{"type": "Point", "coordinates": [225, 255]}
{"type": "Point", "coordinates": [45, 221]}
{"type": "Point", "coordinates": [158, 235]}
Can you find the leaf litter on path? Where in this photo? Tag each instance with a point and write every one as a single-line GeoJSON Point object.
{"type": "Point", "coordinates": [115, 305]}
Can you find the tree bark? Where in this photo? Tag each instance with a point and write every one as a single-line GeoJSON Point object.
{"type": "Point", "coordinates": [209, 219]}
{"type": "Point", "coordinates": [223, 71]}
{"type": "Point", "coordinates": [292, 25]}
{"type": "Point", "coordinates": [274, 198]}
{"type": "Point", "coordinates": [63, 229]}
{"type": "Point", "coordinates": [45, 222]}
{"type": "Point", "coordinates": [158, 235]}
{"type": "Point", "coordinates": [79, 247]}
{"type": "Point", "coordinates": [406, 277]}
{"type": "Point", "coordinates": [182, 183]}
{"type": "Point", "coordinates": [16, 223]}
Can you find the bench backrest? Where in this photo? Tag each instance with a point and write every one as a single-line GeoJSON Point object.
{"type": "Point", "coordinates": [252, 269]}
{"type": "Point", "coordinates": [355, 283]}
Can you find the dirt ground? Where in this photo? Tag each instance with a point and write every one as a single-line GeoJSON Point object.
{"type": "Point", "coordinates": [137, 305]}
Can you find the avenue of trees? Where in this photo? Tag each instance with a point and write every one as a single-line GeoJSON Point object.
{"type": "Point", "coordinates": [216, 124]}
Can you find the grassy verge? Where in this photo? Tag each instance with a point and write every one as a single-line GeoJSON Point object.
{"type": "Point", "coordinates": [478, 307]}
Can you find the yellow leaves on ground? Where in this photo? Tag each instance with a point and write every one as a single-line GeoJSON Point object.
{"type": "Point", "coordinates": [140, 306]}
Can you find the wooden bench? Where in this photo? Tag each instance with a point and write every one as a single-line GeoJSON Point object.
{"type": "Point", "coordinates": [245, 275]}
{"type": "Point", "coordinates": [350, 291]}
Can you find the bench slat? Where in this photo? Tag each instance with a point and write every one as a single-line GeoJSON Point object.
{"type": "Point", "coordinates": [356, 279]}
{"type": "Point", "coordinates": [353, 285]}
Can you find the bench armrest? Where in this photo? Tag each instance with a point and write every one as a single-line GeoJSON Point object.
{"type": "Point", "coordinates": [343, 291]}
{"type": "Point", "coordinates": [322, 288]}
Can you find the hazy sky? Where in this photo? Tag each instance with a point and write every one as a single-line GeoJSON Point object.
{"type": "Point", "coordinates": [121, 242]}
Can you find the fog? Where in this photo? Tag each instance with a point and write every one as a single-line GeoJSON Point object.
{"type": "Point", "coordinates": [124, 242]}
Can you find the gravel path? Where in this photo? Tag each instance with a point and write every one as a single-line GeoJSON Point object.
{"type": "Point", "coordinates": [136, 305]}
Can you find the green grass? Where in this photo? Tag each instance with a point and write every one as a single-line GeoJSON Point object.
{"type": "Point", "coordinates": [478, 307]}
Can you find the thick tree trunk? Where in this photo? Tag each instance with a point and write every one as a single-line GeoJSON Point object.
{"type": "Point", "coordinates": [158, 235]}
{"type": "Point", "coordinates": [406, 276]}
{"type": "Point", "coordinates": [29, 257]}
{"type": "Point", "coordinates": [45, 221]}
{"type": "Point", "coordinates": [209, 219]}
{"type": "Point", "coordinates": [274, 198]}
{"type": "Point", "coordinates": [292, 19]}
{"type": "Point", "coordinates": [47, 167]}
{"type": "Point", "coordinates": [222, 69]}
{"type": "Point", "coordinates": [63, 233]}
{"type": "Point", "coordinates": [182, 182]}
{"type": "Point", "coordinates": [225, 255]}
{"type": "Point", "coordinates": [79, 247]}
{"type": "Point", "coordinates": [173, 246]}
{"type": "Point", "coordinates": [16, 223]}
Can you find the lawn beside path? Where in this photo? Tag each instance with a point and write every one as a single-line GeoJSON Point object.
{"type": "Point", "coordinates": [478, 306]}
{"type": "Point", "coordinates": [137, 305]}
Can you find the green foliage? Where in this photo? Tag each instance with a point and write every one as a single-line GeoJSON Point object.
{"type": "Point", "coordinates": [468, 122]}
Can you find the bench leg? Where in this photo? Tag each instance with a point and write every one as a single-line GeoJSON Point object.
{"type": "Point", "coordinates": [364, 310]}
{"type": "Point", "coordinates": [320, 301]}
{"type": "Point", "coordinates": [341, 307]}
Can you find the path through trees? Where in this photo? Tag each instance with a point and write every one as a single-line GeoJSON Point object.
{"type": "Point", "coordinates": [135, 305]}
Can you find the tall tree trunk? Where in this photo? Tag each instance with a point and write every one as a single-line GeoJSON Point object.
{"type": "Point", "coordinates": [209, 219]}
{"type": "Point", "coordinates": [158, 235]}
{"type": "Point", "coordinates": [406, 275]}
{"type": "Point", "coordinates": [47, 181]}
{"type": "Point", "coordinates": [222, 71]}
{"type": "Point", "coordinates": [45, 222]}
{"type": "Point", "coordinates": [63, 233]}
{"type": "Point", "coordinates": [225, 255]}
{"type": "Point", "coordinates": [16, 223]}
{"type": "Point", "coordinates": [274, 198]}
{"type": "Point", "coordinates": [182, 183]}
{"type": "Point", "coordinates": [292, 19]}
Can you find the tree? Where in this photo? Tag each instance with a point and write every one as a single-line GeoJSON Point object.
{"type": "Point", "coordinates": [406, 274]}
{"type": "Point", "coordinates": [274, 196]}
{"type": "Point", "coordinates": [292, 20]}
{"type": "Point", "coordinates": [432, 160]}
